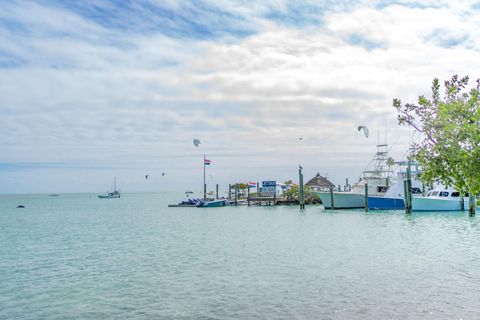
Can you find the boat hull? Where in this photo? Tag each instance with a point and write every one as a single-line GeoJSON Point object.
{"type": "Point", "coordinates": [107, 197]}
{"type": "Point", "coordinates": [384, 203]}
{"type": "Point", "coordinates": [212, 204]}
{"type": "Point", "coordinates": [436, 204]}
{"type": "Point", "coordinates": [342, 200]}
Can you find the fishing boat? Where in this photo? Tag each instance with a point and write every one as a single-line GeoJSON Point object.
{"type": "Point", "coordinates": [378, 179]}
{"type": "Point", "coordinates": [393, 198]}
{"type": "Point", "coordinates": [439, 199]}
{"type": "Point", "coordinates": [211, 204]}
{"type": "Point", "coordinates": [110, 195]}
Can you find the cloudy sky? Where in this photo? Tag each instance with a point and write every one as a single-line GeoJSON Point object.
{"type": "Point", "coordinates": [94, 89]}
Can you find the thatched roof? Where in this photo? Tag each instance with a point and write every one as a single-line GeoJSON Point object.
{"type": "Point", "coordinates": [319, 181]}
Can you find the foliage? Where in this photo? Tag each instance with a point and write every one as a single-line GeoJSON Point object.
{"type": "Point", "coordinates": [241, 186]}
{"type": "Point", "coordinates": [450, 125]}
{"type": "Point", "coordinates": [292, 194]}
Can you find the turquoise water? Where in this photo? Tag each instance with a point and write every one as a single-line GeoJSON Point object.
{"type": "Point", "coordinates": [79, 257]}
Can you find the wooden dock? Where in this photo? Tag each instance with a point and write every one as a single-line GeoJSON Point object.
{"type": "Point", "coordinates": [262, 201]}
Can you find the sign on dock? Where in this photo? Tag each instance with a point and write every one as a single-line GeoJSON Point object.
{"type": "Point", "coordinates": [269, 188]}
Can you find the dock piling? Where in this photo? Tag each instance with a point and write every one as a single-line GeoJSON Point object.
{"type": "Point", "coordinates": [471, 205]}
{"type": "Point", "coordinates": [407, 188]}
{"type": "Point", "coordinates": [216, 193]}
{"type": "Point", "coordinates": [366, 197]}
{"type": "Point", "coordinates": [332, 205]}
{"type": "Point", "coordinates": [301, 195]}
{"type": "Point", "coordinates": [236, 195]}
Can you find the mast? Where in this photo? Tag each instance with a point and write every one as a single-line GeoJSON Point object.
{"type": "Point", "coordinates": [204, 185]}
{"type": "Point", "coordinates": [115, 184]}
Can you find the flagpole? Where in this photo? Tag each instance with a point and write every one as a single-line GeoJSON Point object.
{"type": "Point", "coordinates": [204, 185]}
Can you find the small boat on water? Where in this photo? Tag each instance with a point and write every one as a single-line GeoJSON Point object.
{"type": "Point", "coordinates": [186, 203]}
{"type": "Point", "coordinates": [439, 199]}
{"type": "Point", "coordinates": [211, 204]}
{"type": "Point", "coordinates": [54, 195]}
{"type": "Point", "coordinates": [110, 195]}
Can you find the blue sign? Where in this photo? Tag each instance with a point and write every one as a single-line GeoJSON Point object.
{"type": "Point", "coordinates": [269, 183]}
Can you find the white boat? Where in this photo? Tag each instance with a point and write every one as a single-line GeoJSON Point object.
{"type": "Point", "coordinates": [393, 199]}
{"type": "Point", "coordinates": [110, 195]}
{"type": "Point", "coordinates": [378, 179]}
{"type": "Point", "coordinates": [439, 199]}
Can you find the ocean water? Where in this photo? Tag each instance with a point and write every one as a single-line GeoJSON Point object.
{"type": "Point", "coordinates": [79, 257]}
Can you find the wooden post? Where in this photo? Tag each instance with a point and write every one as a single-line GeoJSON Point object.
{"type": "Point", "coordinates": [408, 191]}
{"type": "Point", "coordinates": [216, 193]}
{"type": "Point", "coordinates": [471, 205]}
{"type": "Point", "coordinates": [258, 190]}
{"type": "Point", "coordinates": [462, 202]}
{"type": "Point", "coordinates": [366, 197]}
{"type": "Point", "coordinates": [301, 195]}
{"type": "Point", "coordinates": [348, 186]}
{"type": "Point", "coordinates": [332, 205]}
{"type": "Point", "coordinates": [236, 195]}
{"type": "Point", "coordinates": [248, 196]}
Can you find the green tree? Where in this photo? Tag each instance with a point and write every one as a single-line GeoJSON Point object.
{"type": "Point", "coordinates": [310, 197]}
{"type": "Point", "coordinates": [450, 126]}
{"type": "Point", "coordinates": [241, 186]}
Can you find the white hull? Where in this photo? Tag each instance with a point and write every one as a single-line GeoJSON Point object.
{"type": "Point", "coordinates": [342, 200]}
{"type": "Point", "coordinates": [437, 204]}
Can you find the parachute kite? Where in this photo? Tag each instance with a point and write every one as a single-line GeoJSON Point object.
{"type": "Point", "coordinates": [196, 142]}
{"type": "Point", "coordinates": [365, 130]}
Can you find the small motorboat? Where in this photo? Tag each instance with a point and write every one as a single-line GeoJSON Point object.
{"type": "Point", "coordinates": [186, 203]}
{"type": "Point", "coordinates": [20, 206]}
{"type": "Point", "coordinates": [211, 204]}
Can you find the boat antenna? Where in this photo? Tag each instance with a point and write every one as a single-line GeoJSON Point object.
{"type": "Point", "coordinates": [386, 124]}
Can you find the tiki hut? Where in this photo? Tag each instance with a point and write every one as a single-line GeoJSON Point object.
{"type": "Point", "coordinates": [319, 183]}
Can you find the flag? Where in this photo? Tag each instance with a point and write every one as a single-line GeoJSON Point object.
{"type": "Point", "coordinates": [206, 162]}
{"type": "Point", "coordinates": [252, 184]}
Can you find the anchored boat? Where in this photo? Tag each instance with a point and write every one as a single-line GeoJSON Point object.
{"type": "Point", "coordinates": [439, 199]}
{"type": "Point", "coordinates": [110, 195]}
{"type": "Point", "coordinates": [211, 204]}
{"type": "Point", "coordinates": [378, 180]}
{"type": "Point", "coordinates": [393, 198]}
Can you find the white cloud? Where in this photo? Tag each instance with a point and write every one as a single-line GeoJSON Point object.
{"type": "Point", "coordinates": [100, 96]}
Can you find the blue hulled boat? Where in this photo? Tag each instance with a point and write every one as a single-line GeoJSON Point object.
{"type": "Point", "coordinates": [393, 198]}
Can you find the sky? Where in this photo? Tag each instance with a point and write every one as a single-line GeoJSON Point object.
{"type": "Point", "coordinates": [94, 89]}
